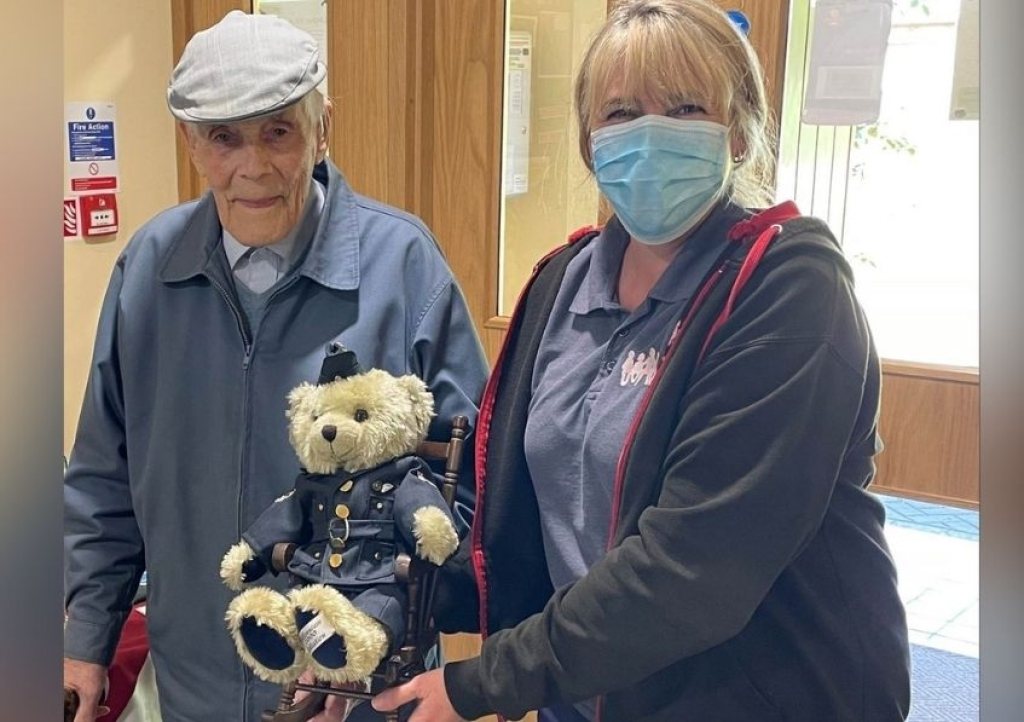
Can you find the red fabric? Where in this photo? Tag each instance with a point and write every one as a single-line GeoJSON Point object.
{"type": "Point", "coordinates": [756, 224]}
{"type": "Point", "coordinates": [767, 224]}
{"type": "Point", "coordinates": [581, 232]}
{"type": "Point", "coordinates": [131, 654]}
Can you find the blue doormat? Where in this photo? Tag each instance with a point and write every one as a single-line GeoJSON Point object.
{"type": "Point", "coordinates": [944, 686]}
{"type": "Point", "coordinates": [929, 517]}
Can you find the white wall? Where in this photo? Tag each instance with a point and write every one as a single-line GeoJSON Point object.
{"type": "Point", "coordinates": [119, 51]}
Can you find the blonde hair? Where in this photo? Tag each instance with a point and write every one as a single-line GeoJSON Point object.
{"type": "Point", "coordinates": [688, 48]}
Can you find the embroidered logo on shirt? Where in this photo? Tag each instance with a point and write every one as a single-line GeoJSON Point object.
{"type": "Point", "coordinates": [640, 367]}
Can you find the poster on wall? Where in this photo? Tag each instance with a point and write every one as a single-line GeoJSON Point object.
{"type": "Point", "coordinates": [517, 114]}
{"type": "Point", "coordinates": [91, 179]}
{"type": "Point", "coordinates": [849, 40]}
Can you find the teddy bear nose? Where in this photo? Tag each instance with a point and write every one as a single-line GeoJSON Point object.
{"type": "Point", "coordinates": [329, 432]}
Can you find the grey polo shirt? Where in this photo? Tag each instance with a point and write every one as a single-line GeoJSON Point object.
{"type": "Point", "coordinates": [594, 363]}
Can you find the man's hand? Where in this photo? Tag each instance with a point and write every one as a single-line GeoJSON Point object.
{"type": "Point", "coordinates": [428, 691]}
{"type": "Point", "coordinates": [88, 680]}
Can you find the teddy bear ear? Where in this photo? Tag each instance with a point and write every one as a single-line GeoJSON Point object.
{"type": "Point", "coordinates": [420, 397]}
{"type": "Point", "coordinates": [299, 398]}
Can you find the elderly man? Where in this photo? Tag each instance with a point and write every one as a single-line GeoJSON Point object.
{"type": "Point", "coordinates": [215, 309]}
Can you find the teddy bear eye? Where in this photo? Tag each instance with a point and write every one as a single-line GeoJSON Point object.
{"type": "Point", "coordinates": [361, 415]}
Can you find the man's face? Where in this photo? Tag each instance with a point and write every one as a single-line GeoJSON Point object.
{"type": "Point", "coordinates": [259, 171]}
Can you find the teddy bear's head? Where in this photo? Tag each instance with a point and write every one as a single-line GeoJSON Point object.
{"type": "Point", "coordinates": [358, 422]}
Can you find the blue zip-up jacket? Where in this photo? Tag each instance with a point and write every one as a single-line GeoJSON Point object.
{"type": "Point", "coordinates": [182, 439]}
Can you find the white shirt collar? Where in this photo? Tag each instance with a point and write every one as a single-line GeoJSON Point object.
{"type": "Point", "coordinates": [235, 249]}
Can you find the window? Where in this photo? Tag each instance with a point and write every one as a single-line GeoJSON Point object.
{"type": "Point", "coordinates": [546, 191]}
{"type": "Point", "coordinates": [901, 194]}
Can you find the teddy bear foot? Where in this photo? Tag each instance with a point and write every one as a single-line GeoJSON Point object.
{"type": "Point", "coordinates": [343, 644]}
{"type": "Point", "coordinates": [262, 624]}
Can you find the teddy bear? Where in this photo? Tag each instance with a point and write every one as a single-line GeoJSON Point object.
{"type": "Point", "coordinates": [361, 497]}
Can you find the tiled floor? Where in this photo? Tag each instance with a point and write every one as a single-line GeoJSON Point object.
{"type": "Point", "coordinates": [936, 551]}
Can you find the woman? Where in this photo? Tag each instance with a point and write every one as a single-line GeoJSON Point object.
{"type": "Point", "coordinates": [674, 446]}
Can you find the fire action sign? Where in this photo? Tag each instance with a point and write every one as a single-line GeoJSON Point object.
{"type": "Point", "coordinates": [91, 148]}
{"type": "Point", "coordinates": [90, 177]}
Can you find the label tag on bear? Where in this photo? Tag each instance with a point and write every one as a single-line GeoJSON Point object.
{"type": "Point", "coordinates": [315, 632]}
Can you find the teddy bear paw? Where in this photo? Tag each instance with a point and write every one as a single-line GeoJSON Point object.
{"type": "Point", "coordinates": [262, 624]}
{"type": "Point", "coordinates": [436, 539]}
{"type": "Point", "coordinates": [343, 644]}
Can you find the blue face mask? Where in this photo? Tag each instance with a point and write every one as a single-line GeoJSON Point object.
{"type": "Point", "coordinates": [661, 174]}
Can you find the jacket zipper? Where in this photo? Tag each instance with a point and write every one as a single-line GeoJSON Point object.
{"type": "Point", "coordinates": [247, 343]}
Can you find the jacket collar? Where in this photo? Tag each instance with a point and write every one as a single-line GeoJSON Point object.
{"type": "Point", "coordinates": [677, 283]}
{"type": "Point", "coordinates": [333, 257]}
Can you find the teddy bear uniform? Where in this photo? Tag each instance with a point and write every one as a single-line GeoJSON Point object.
{"type": "Point", "coordinates": [349, 529]}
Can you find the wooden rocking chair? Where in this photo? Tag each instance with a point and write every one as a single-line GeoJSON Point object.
{"type": "Point", "coordinates": [419, 578]}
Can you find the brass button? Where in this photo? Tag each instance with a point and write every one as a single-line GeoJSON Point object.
{"type": "Point", "coordinates": [376, 485]}
{"type": "Point", "coordinates": [335, 561]}
{"type": "Point", "coordinates": [341, 511]}
{"type": "Point", "coordinates": [347, 486]}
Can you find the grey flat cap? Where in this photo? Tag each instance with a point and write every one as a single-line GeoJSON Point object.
{"type": "Point", "coordinates": [242, 67]}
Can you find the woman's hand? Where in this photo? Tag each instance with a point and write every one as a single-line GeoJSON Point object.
{"type": "Point", "coordinates": [428, 691]}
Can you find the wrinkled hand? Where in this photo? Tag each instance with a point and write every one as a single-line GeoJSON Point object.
{"type": "Point", "coordinates": [88, 681]}
{"type": "Point", "coordinates": [428, 691]}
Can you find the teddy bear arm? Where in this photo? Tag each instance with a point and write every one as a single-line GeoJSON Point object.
{"type": "Point", "coordinates": [424, 520]}
{"type": "Point", "coordinates": [282, 521]}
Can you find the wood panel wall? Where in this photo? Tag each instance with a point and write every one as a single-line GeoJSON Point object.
{"type": "Point", "coordinates": [417, 89]}
{"type": "Point", "coordinates": [930, 427]}
{"type": "Point", "coordinates": [769, 21]}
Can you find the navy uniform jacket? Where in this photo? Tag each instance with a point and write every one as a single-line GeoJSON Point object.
{"type": "Point", "coordinates": [366, 518]}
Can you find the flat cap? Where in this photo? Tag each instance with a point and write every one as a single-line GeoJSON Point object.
{"type": "Point", "coordinates": [242, 67]}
